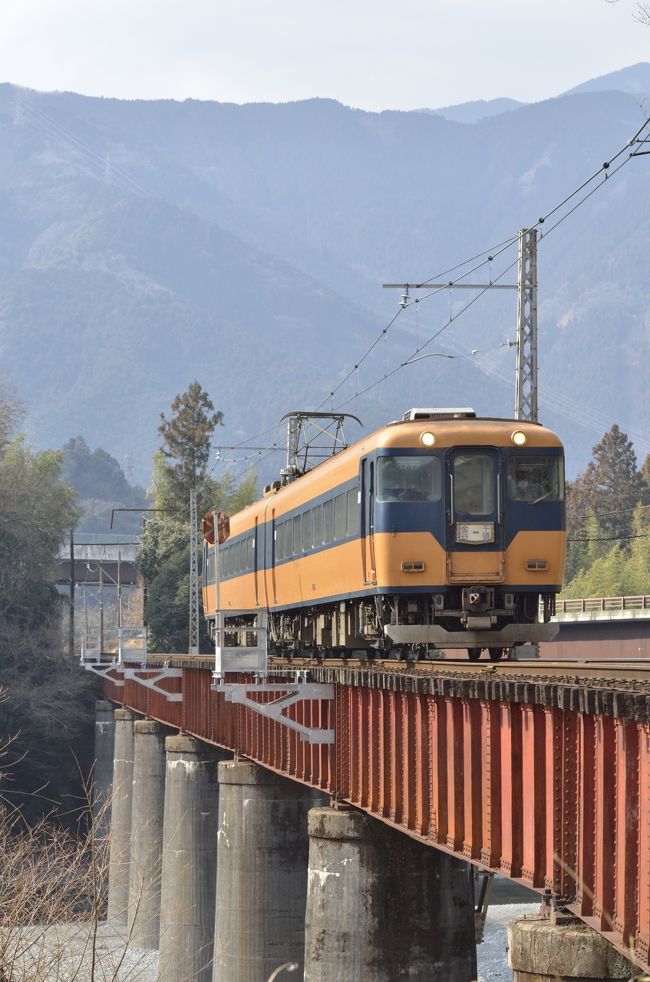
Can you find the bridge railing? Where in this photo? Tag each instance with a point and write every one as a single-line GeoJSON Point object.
{"type": "Point", "coordinates": [595, 604]}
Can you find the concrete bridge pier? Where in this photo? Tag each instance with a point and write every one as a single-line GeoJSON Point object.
{"type": "Point", "coordinates": [101, 790]}
{"type": "Point", "coordinates": [261, 872]}
{"type": "Point", "coordinates": [189, 861]}
{"type": "Point", "coordinates": [541, 950]}
{"type": "Point", "coordinates": [102, 778]}
{"type": "Point", "coordinates": [146, 832]}
{"type": "Point", "coordinates": [381, 906]}
{"type": "Point", "coordinates": [120, 842]}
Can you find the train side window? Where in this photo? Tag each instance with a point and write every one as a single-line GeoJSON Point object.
{"type": "Point", "coordinates": [288, 540]}
{"type": "Point", "coordinates": [353, 511]}
{"type": "Point", "coordinates": [251, 553]}
{"type": "Point", "coordinates": [307, 531]}
{"type": "Point", "coordinates": [297, 535]}
{"type": "Point", "coordinates": [279, 543]}
{"type": "Point", "coordinates": [340, 517]}
{"type": "Point", "coordinates": [328, 521]}
{"type": "Point", "coordinates": [318, 526]}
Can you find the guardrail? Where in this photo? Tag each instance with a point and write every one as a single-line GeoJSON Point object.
{"type": "Point", "coordinates": [127, 644]}
{"type": "Point", "coordinates": [587, 604]}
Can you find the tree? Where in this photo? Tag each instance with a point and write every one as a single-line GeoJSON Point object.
{"type": "Point", "coordinates": [186, 440]}
{"type": "Point", "coordinates": [163, 556]}
{"type": "Point", "coordinates": [48, 698]}
{"type": "Point", "coordinates": [617, 483]}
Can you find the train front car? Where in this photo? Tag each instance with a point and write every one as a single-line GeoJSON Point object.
{"type": "Point", "coordinates": [439, 531]}
{"type": "Point", "coordinates": [464, 528]}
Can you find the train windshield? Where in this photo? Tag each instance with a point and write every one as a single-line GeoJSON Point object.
{"type": "Point", "coordinates": [409, 479]}
{"type": "Point", "coordinates": [535, 478]}
{"type": "Point", "coordinates": [473, 483]}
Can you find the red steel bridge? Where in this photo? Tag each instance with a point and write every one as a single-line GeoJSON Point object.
{"type": "Point", "coordinates": [539, 771]}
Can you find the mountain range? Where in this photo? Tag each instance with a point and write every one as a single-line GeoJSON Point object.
{"type": "Point", "coordinates": [146, 244]}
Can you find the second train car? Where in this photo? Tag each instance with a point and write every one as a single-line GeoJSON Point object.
{"type": "Point", "coordinates": [439, 531]}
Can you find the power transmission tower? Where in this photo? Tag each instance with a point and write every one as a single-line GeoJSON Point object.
{"type": "Point", "coordinates": [193, 648]}
{"type": "Point", "coordinates": [526, 378]}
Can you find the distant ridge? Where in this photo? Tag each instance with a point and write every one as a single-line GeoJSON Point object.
{"type": "Point", "coordinates": [149, 243]}
{"type": "Point", "coordinates": [472, 112]}
{"type": "Point", "coordinates": [634, 80]}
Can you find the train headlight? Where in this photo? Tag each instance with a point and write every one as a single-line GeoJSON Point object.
{"type": "Point", "coordinates": [427, 439]}
{"type": "Point", "coordinates": [519, 438]}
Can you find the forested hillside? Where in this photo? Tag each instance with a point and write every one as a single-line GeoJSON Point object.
{"type": "Point", "coordinates": [45, 701]}
{"type": "Point", "coordinates": [149, 243]}
{"type": "Point", "coordinates": [608, 512]}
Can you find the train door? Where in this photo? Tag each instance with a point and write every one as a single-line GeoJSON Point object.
{"type": "Point", "coordinates": [269, 555]}
{"type": "Point", "coordinates": [367, 539]}
{"type": "Point", "coordinates": [474, 507]}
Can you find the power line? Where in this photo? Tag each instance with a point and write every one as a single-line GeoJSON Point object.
{"type": "Point", "coordinates": [490, 255]}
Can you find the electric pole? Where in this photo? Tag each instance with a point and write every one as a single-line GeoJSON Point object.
{"type": "Point", "coordinates": [526, 377]}
{"type": "Point", "coordinates": [526, 343]}
{"type": "Point", "coordinates": [193, 648]}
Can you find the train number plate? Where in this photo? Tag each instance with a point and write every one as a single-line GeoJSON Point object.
{"type": "Point", "coordinates": [476, 532]}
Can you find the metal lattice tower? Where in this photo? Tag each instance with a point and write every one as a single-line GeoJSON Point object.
{"type": "Point", "coordinates": [193, 648]}
{"type": "Point", "coordinates": [526, 381]}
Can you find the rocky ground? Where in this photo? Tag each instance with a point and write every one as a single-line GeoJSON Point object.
{"type": "Point", "coordinates": [65, 953]}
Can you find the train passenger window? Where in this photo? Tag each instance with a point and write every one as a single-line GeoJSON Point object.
{"type": "Point", "coordinates": [353, 512]}
{"type": "Point", "coordinates": [535, 478]}
{"type": "Point", "coordinates": [297, 535]}
{"type": "Point", "coordinates": [318, 526]}
{"type": "Point", "coordinates": [473, 483]}
{"type": "Point", "coordinates": [340, 517]}
{"type": "Point", "coordinates": [251, 553]}
{"type": "Point", "coordinates": [279, 542]}
{"type": "Point", "coordinates": [328, 521]}
{"type": "Point", "coordinates": [287, 532]}
{"type": "Point", "coordinates": [409, 479]}
{"type": "Point", "coordinates": [307, 530]}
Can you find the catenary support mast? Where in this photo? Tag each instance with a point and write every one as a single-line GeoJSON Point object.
{"type": "Point", "coordinates": [526, 378]}
{"type": "Point", "coordinates": [193, 648]}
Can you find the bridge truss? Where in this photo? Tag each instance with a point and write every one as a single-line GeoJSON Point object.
{"type": "Point", "coordinates": [540, 775]}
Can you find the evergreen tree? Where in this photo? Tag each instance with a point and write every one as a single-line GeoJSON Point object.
{"type": "Point", "coordinates": [163, 557]}
{"type": "Point", "coordinates": [616, 483]}
{"type": "Point", "coordinates": [186, 441]}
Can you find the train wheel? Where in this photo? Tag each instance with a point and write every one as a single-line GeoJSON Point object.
{"type": "Point", "coordinates": [474, 653]}
{"type": "Point", "coordinates": [495, 654]}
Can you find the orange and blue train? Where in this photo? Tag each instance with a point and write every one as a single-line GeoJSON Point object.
{"type": "Point", "coordinates": [436, 532]}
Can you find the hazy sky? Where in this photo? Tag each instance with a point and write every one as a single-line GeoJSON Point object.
{"type": "Point", "coordinates": [373, 54]}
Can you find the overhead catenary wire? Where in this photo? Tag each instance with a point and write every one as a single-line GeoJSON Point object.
{"type": "Point", "coordinates": [482, 291]}
{"type": "Point", "coordinates": [487, 257]}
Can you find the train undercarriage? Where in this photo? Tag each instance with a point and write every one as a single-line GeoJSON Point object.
{"type": "Point", "coordinates": [410, 627]}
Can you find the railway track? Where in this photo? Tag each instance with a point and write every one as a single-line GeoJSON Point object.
{"type": "Point", "coordinates": [584, 667]}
